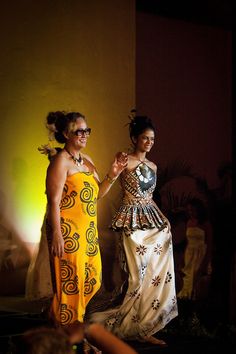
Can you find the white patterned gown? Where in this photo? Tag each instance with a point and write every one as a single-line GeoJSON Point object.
{"type": "Point", "coordinates": [147, 255]}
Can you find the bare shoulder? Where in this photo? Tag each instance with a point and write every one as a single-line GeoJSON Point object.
{"type": "Point", "coordinates": [60, 160]}
{"type": "Point", "coordinates": [87, 157]}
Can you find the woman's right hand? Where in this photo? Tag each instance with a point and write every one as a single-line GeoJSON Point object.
{"type": "Point", "coordinates": [119, 164]}
{"type": "Point", "coordinates": [57, 247]}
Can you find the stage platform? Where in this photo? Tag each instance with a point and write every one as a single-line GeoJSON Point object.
{"type": "Point", "coordinates": [189, 333]}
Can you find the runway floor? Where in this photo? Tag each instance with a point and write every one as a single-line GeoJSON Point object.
{"type": "Point", "coordinates": [193, 332]}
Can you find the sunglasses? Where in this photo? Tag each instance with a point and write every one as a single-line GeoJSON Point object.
{"type": "Point", "coordinates": [80, 132]}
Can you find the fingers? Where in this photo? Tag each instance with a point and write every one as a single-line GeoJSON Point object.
{"type": "Point", "coordinates": [122, 157]}
{"type": "Point", "coordinates": [122, 160]}
{"type": "Point", "coordinates": [57, 251]}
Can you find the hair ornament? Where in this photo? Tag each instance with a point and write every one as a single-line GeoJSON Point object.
{"type": "Point", "coordinates": [132, 116]}
{"type": "Point", "coordinates": [52, 130]}
{"type": "Point", "coordinates": [49, 151]}
{"type": "Point", "coordinates": [45, 149]}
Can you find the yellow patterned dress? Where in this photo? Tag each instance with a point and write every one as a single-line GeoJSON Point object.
{"type": "Point", "coordinates": [77, 274]}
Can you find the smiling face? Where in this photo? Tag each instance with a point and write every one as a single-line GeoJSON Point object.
{"type": "Point", "coordinates": [145, 141]}
{"type": "Point", "coordinates": [78, 133]}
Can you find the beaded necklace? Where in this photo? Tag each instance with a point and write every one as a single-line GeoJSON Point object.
{"type": "Point", "coordinates": [77, 160]}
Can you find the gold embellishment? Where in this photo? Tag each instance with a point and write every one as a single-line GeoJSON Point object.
{"type": "Point", "coordinates": [109, 179]}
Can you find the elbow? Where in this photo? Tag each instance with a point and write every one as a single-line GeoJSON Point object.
{"type": "Point", "coordinates": [53, 203]}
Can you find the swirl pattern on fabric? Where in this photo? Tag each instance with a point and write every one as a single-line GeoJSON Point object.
{"type": "Point", "coordinates": [78, 272]}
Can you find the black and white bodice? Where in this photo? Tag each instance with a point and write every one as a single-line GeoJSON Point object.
{"type": "Point", "coordinates": [138, 210]}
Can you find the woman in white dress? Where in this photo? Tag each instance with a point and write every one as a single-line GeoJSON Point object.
{"type": "Point", "coordinates": [198, 252]}
{"type": "Point", "coordinates": [146, 245]}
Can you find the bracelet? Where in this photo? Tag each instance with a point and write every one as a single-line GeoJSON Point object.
{"type": "Point", "coordinates": [109, 179]}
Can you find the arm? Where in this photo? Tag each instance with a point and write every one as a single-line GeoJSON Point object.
{"type": "Point", "coordinates": [97, 336]}
{"type": "Point", "coordinates": [119, 164]}
{"type": "Point", "coordinates": [55, 180]}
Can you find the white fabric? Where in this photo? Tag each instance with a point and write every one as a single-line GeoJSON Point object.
{"type": "Point", "coordinates": [38, 280]}
{"type": "Point", "coordinates": [150, 300]}
{"type": "Point", "coordinates": [193, 257]}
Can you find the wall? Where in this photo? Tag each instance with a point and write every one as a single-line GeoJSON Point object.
{"type": "Point", "coordinates": [183, 77]}
{"type": "Point", "coordinates": [184, 82]}
{"type": "Point", "coordinates": [59, 55]}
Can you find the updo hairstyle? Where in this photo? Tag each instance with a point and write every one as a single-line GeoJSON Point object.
{"type": "Point", "coordinates": [137, 125]}
{"type": "Point", "coordinates": [60, 122]}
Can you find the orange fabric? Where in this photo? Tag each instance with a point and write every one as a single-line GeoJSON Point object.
{"type": "Point", "coordinates": [78, 272]}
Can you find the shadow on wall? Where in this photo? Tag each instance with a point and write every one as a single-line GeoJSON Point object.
{"type": "Point", "coordinates": [177, 184]}
{"type": "Point", "coordinates": [14, 255]}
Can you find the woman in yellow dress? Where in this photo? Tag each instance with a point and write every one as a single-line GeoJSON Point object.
{"type": "Point", "coordinates": [73, 188]}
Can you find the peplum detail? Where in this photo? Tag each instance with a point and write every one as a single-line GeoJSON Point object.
{"type": "Point", "coordinates": [138, 217]}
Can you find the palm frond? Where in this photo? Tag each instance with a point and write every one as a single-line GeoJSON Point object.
{"type": "Point", "coordinates": [176, 168]}
{"type": "Point", "coordinates": [176, 203]}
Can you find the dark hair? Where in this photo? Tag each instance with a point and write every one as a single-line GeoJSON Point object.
{"type": "Point", "coordinates": [138, 125]}
{"type": "Point", "coordinates": [45, 340]}
{"type": "Point", "coordinates": [61, 121]}
{"type": "Point", "coordinates": [200, 209]}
